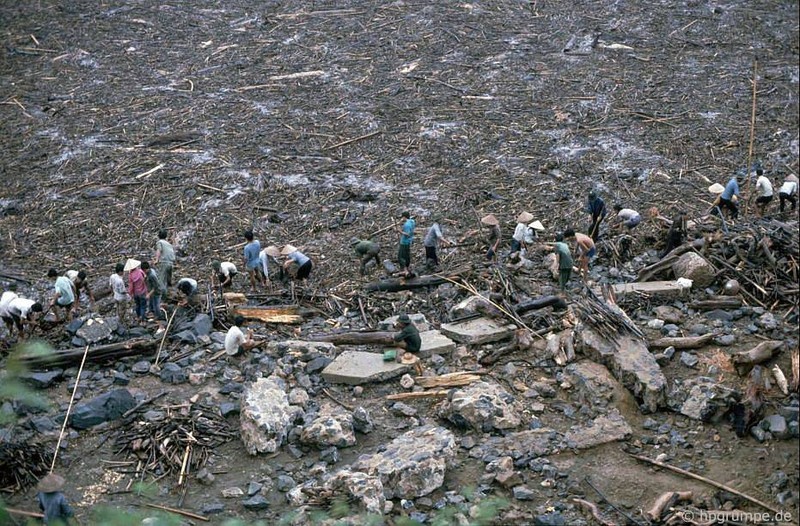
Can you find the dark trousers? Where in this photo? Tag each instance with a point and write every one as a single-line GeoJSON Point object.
{"type": "Point", "coordinates": [563, 277]}
{"type": "Point", "coordinates": [431, 256]}
{"type": "Point", "coordinates": [140, 307]}
{"type": "Point", "coordinates": [404, 256]}
{"type": "Point", "coordinates": [366, 258]}
{"type": "Point", "coordinates": [730, 205]}
{"type": "Point", "coordinates": [304, 270]}
{"type": "Point", "coordinates": [786, 197]}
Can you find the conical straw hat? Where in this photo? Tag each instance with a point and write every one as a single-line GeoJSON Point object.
{"type": "Point", "coordinates": [288, 249]}
{"type": "Point", "coordinates": [525, 217]}
{"type": "Point", "coordinates": [716, 188]}
{"type": "Point", "coordinates": [490, 220]}
{"type": "Point", "coordinates": [132, 264]}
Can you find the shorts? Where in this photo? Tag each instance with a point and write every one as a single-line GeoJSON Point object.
{"type": "Point", "coordinates": [591, 254]}
{"type": "Point", "coordinates": [65, 305]}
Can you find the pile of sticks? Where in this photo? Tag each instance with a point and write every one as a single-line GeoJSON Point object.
{"type": "Point", "coordinates": [763, 256]}
{"type": "Point", "coordinates": [179, 443]}
{"type": "Point", "coordinates": [23, 463]}
{"type": "Point", "coordinates": [607, 320]}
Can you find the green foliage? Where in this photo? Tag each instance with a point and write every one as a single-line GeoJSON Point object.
{"type": "Point", "coordinates": [12, 387]}
{"type": "Point", "coordinates": [108, 516]}
{"type": "Point", "coordinates": [146, 489]}
{"type": "Point", "coordinates": [488, 510]}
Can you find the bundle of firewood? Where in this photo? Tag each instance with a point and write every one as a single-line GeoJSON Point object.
{"type": "Point", "coordinates": [23, 463]}
{"type": "Point", "coordinates": [605, 318]}
{"type": "Point", "coordinates": [178, 442]}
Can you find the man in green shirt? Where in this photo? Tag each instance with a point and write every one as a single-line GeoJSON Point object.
{"type": "Point", "coordinates": [564, 261]}
{"type": "Point", "coordinates": [164, 261]}
{"type": "Point", "coordinates": [367, 250]}
{"type": "Point", "coordinates": [408, 337]}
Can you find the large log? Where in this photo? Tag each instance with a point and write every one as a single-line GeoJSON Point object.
{"type": "Point", "coordinates": [99, 353]}
{"type": "Point", "coordinates": [398, 284]}
{"type": "Point", "coordinates": [745, 360]}
{"type": "Point", "coordinates": [540, 303]}
{"type": "Point", "coordinates": [687, 342]}
{"type": "Point", "coordinates": [717, 302]}
{"type": "Point", "coordinates": [279, 314]}
{"type": "Point", "coordinates": [357, 338]}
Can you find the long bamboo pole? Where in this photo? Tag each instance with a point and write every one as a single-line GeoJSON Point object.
{"type": "Point", "coordinates": [69, 409]}
{"type": "Point", "coordinates": [752, 134]}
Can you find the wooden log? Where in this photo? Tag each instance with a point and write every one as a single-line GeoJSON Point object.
{"type": "Point", "coordinates": [95, 354]}
{"type": "Point", "coordinates": [687, 342]}
{"type": "Point", "coordinates": [745, 360]}
{"type": "Point", "coordinates": [420, 394]}
{"type": "Point", "coordinates": [664, 501]}
{"type": "Point", "coordinates": [717, 302]}
{"type": "Point", "coordinates": [357, 338]}
{"type": "Point", "coordinates": [287, 314]}
{"type": "Point", "coordinates": [448, 380]}
{"type": "Point", "coordinates": [398, 284]}
{"type": "Point", "coordinates": [540, 303]}
{"type": "Point", "coordinates": [651, 271]}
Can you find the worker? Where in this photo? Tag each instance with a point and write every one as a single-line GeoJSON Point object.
{"type": "Point", "coordinates": [236, 341]}
{"type": "Point", "coordinates": [269, 257]}
{"type": "Point", "coordinates": [80, 283]}
{"type": "Point", "coordinates": [729, 197]}
{"type": "Point", "coordinates": [520, 231]}
{"type": "Point", "coordinates": [51, 500]}
{"type": "Point", "coordinates": [627, 217]}
{"type": "Point", "coordinates": [224, 272]}
{"type": "Point", "coordinates": [164, 259]}
{"type": "Point", "coordinates": [155, 291]}
{"type": "Point", "coordinates": [676, 234]}
{"type": "Point", "coordinates": [490, 221]}
{"type": "Point", "coordinates": [532, 233]}
{"type": "Point", "coordinates": [406, 231]}
{"type": "Point", "coordinates": [367, 250]}
{"type": "Point", "coordinates": [18, 312]}
{"type": "Point", "coordinates": [408, 338]}
{"type": "Point", "coordinates": [252, 263]}
{"type": "Point", "coordinates": [585, 248]}
{"type": "Point", "coordinates": [764, 190]}
{"type": "Point", "coordinates": [597, 210]}
{"type": "Point", "coordinates": [188, 287]}
{"type": "Point", "coordinates": [137, 288]}
{"type": "Point", "coordinates": [303, 262]}
{"type": "Point", "coordinates": [788, 192]}
{"type": "Point", "coordinates": [433, 237]}
{"type": "Point", "coordinates": [64, 297]}
{"type": "Point", "coordinates": [120, 292]}
{"type": "Point", "coordinates": [565, 262]}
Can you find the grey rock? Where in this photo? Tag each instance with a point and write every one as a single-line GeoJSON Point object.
{"type": "Point", "coordinates": [43, 424]}
{"type": "Point", "coordinates": [695, 267]}
{"type": "Point", "coordinates": [594, 382]}
{"type": "Point", "coordinates": [202, 324]}
{"type": "Point", "coordinates": [759, 434]}
{"type": "Point", "coordinates": [767, 321]}
{"type": "Point", "coordinates": [73, 326]}
{"type": "Point", "coordinates": [231, 387]}
{"type": "Point", "coordinates": [332, 427]}
{"type": "Point", "coordinates": [153, 416]}
{"type": "Point", "coordinates": [362, 422]}
{"type": "Point", "coordinates": [212, 508]}
{"type": "Point", "coordinates": [299, 396]}
{"type": "Point", "coordinates": [103, 408]}
{"type": "Point", "coordinates": [669, 352]}
{"type": "Point", "coordinates": [523, 493]}
{"type": "Point", "coordinates": [719, 314]}
{"type": "Point", "coordinates": [121, 378]}
{"type": "Point", "coordinates": [789, 412]}
{"type": "Point", "coordinates": [413, 464]}
{"type": "Point", "coordinates": [228, 408]}
{"type": "Point", "coordinates": [97, 329]}
{"type": "Point", "coordinates": [330, 455]}
{"type": "Point", "coordinates": [481, 406]}
{"type": "Point", "coordinates": [602, 430]}
{"type": "Point", "coordinates": [256, 502]}
{"type": "Point", "coordinates": [266, 415]}
{"type": "Point", "coordinates": [699, 329]}
{"type": "Point", "coordinates": [700, 398]}
{"type": "Point", "coordinates": [253, 487]}
{"type": "Point", "coordinates": [185, 336]}
{"type": "Point", "coordinates": [42, 380]}
{"type": "Point", "coordinates": [172, 373]}
{"type": "Point", "coordinates": [725, 340]}
{"type": "Point", "coordinates": [650, 424]}
{"type": "Point", "coordinates": [402, 409]}
{"type": "Point", "coordinates": [205, 477]}
{"type": "Point", "coordinates": [776, 424]}
{"type": "Point", "coordinates": [317, 364]}
{"type": "Point", "coordinates": [668, 313]}
{"type": "Point", "coordinates": [553, 518]}
{"type": "Point", "coordinates": [689, 360]}
{"type": "Point", "coordinates": [285, 483]}
{"type": "Point", "coordinates": [141, 367]}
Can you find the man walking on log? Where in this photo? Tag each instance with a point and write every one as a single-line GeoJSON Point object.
{"type": "Point", "coordinates": [597, 209]}
{"type": "Point", "coordinates": [406, 231]}
{"type": "Point", "coordinates": [408, 338]}
{"type": "Point", "coordinates": [367, 250]}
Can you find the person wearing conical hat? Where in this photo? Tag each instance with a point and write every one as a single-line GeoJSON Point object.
{"type": "Point", "coordinates": [269, 256]}
{"type": "Point", "coordinates": [532, 234]}
{"type": "Point", "coordinates": [788, 192]}
{"type": "Point", "coordinates": [51, 500]}
{"type": "Point", "coordinates": [303, 262]}
{"type": "Point", "coordinates": [224, 271]}
{"type": "Point", "coordinates": [490, 221]}
{"type": "Point", "coordinates": [518, 238]}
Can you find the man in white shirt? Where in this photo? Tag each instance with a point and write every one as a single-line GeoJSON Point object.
{"type": "Point", "coordinates": [225, 271]}
{"type": "Point", "coordinates": [627, 217]}
{"type": "Point", "coordinates": [788, 191]}
{"type": "Point", "coordinates": [18, 312]}
{"type": "Point", "coordinates": [121, 296]}
{"type": "Point", "coordinates": [236, 341]}
{"type": "Point", "coordinates": [764, 189]}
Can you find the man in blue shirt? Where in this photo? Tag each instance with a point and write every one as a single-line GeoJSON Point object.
{"type": "Point", "coordinates": [729, 197]}
{"type": "Point", "coordinates": [596, 207]}
{"type": "Point", "coordinates": [406, 237]}
{"type": "Point", "coordinates": [251, 260]}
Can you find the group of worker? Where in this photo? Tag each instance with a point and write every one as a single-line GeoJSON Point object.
{"type": "Point", "coordinates": [728, 196]}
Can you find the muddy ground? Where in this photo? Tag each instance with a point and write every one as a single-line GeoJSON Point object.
{"type": "Point", "coordinates": [312, 123]}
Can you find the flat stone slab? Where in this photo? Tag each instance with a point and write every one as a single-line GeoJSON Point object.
{"type": "Point", "coordinates": [655, 288]}
{"type": "Point", "coordinates": [419, 320]}
{"type": "Point", "coordinates": [356, 367]}
{"type": "Point", "coordinates": [477, 331]}
{"type": "Point", "coordinates": [434, 342]}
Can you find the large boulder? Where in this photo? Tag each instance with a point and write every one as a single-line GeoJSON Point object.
{"type": "Point", "coordinates": [103, 408]}
{"type": "Point", "coordinates": [365, 490]}
{"type": "Point", "coordinates": [701, 398]}
{"type": "Point", "coordinates": [481, 406]}
{"type": "Point", "coordinates": [601, 430]}
{"type": "Point", "coordinates": [332, 427]}
{"type": "Point", "coordinates": [266, 416]}
{"type": "Point", "coordinates": [413, 464]}
{"type": "Point", "coordinates": [97, 329]}
{"type": "Point", "coordinates": [596, 385]}
{"type": "Point", "coordinates": [695, 267]}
